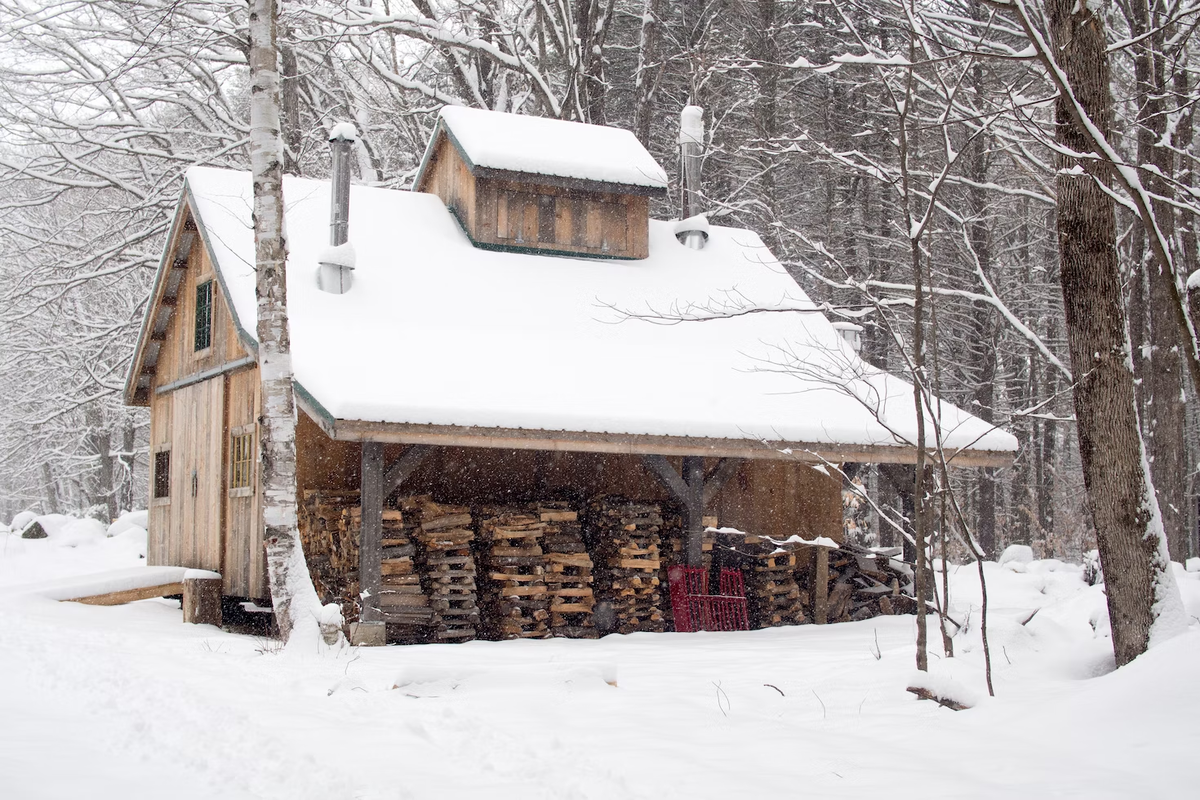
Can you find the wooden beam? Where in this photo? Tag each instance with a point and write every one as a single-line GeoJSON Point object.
{"type": "Point", "coordinates": [404, 466]}
{"type": "Point", "coordinates": [693, 510]}
{"type": "Point", "coordinates": [129, 595]}
{"type": "Point", "coordinates": [229, 366]}
{"type": "Point", "coordinates": [370, 550]}
{"type": "Point", "coordinates": [821, 586]}
{"type": "Point", "coordinates": [641, 444]}
{"type": "Point", "coordinates": [725, 470]}
{"type": "Point", "coordinates": [688, 491]}
{"type": "Point", "coordinates": [666, 473]}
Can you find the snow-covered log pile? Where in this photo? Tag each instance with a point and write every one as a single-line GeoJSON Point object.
{"type": "Point", "coordinates": [625, 541]}
{"type": "Point", "coordinates": [568, 573]}
{"type": "Point", "coordinates": [444, 534]}
{"type": "Point", "coordinates": [512, 590]}
{"type": "Point", "coordinates": [862, 583]}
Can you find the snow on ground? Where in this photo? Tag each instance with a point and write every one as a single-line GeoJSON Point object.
{"type": "Point", "coordinates": [127, 702]}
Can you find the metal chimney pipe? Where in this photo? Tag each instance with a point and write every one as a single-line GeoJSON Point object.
{"type": "Point", "coordinates": [336, 267]}
{"type": "Point", "coordinates": [691, 145]}
{"type": "Point", "coordinates": [341, 143]}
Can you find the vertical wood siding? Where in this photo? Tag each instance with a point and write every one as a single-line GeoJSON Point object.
{"type": "Point", "coordinates": [534, 215]}
{"type": "Point", "coordinates": [244, 558]}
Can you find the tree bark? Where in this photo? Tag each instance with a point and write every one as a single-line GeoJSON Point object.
{"type": "Point", "coordinates": [292, 595]}
{"type": "Point", "coordinates": [1157, 359]}
{"type": "Point", "coordinates": [1142, 599]}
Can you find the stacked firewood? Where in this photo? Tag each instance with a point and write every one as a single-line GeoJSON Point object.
{"type": "Point", "coordinates": [568, 573]}
{"type": "Point", "coordinates": [403, 602]}
{"type": "Point", "coordinates": [772, 596]}
{"type": "Point", "coordinates": [443, 535]}
{"type": "Point", "coordinates": [512, 592]}
{"type": "Point", "coordinates": [329, 526]}
{"type": "Point", "coordinates": [864, 583]}
{"type": "Point", "coordinates": [625, 541]}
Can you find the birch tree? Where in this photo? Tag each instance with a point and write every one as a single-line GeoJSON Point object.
{"type": "Point", "coordinates": [298, 612]}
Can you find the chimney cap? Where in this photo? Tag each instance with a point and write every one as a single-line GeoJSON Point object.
{"type": "Point", "coordinates": [691, 125]}
{"type": "Point", "coordinates": [343, 132]}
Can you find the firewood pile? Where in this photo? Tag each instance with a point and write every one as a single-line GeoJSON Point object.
{"type": "Point", "coordinates": [329, 526]}
{"type": "Point", "coordinates": [403, 601]}
{"type": "Point", "coordinates": [568, 573]}
{"type": "Point", "coordinates": [512, 590]}
{"type": "Point", "coordinates": [625, 539]}
{"type": "Point", "coordinates": [443, 536]}
{"type": "Point", "coordinates": [773, 597]}
{"type": "Point", "coordinates": [865, 583]}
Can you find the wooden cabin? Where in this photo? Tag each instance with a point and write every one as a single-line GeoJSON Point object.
{"type": "Point", "coordinates": [516, 333]}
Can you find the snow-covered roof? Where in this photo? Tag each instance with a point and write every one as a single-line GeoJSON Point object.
{"type": "Point", "coordinates": [552, 147]}
{"type": "Point", "coordinates": [438, 332]}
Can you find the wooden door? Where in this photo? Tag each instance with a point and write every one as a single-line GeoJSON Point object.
{"type": "Point", "coordinates": [197, 466]}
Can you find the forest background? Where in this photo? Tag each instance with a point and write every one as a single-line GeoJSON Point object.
{"type": "Point", "coordinates": [850, 135]}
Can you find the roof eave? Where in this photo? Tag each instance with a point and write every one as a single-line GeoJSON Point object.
{"type": "Point", "coordinates": [636, 444]}
{"type": "Point", "coordinates": [185, 210]}
{"type": "Point", "coordinates": [150, 314]}
{"type": "Point", "coordinates": [524, 177]}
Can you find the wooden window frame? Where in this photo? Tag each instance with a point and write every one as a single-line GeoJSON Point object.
{"type": "Point", "coordinates": [155, 498]}
{"type": "Point", "coordinates": [246, 490]}
{"type": "Point", "coordinates": [203, 282]}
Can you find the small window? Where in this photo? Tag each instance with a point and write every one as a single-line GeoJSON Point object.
{"type": "Point", "coordinates": [204, 315]}
{"type": "Point", "coordinates": [241, 448]}
{"type": "Point", "coordinates": [162, 474]}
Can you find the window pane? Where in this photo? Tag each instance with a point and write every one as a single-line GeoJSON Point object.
{"type": "Point", "coordinates": [162, 474]}
{"type": "Point", "coordinates": [240, 455]}
{"type": "Point", "coordinates": [204, 315]}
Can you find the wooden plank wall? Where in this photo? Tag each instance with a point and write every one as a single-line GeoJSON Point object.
{"type": "Point", "coordinates": [450, 179]}
{"type": "Point", "coordinates": [178, 357]}
{"type": "Point", "coordinates": [245, 565]}
{"type": "Point", "coordinates": [560, 219]}
{"type": "Point", "coordinates": [190, 527]}
{"type": "Point", "coordinates": [534, 215]}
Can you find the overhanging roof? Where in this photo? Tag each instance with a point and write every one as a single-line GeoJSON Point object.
{"type": "Point", "coordinates": [440, 342]}
{"type": "Point", "coordinates": [549, 151]}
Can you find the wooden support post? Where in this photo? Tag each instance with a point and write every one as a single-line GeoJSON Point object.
{"type": "Point", "coordinates": [693, 510]}
{"type": "Point", "coordinates": [693, 493]}
{"type": "Point", "coordinates": [821, 586]}
{"type": "Point", "coordinates": [404, 466]}
{"type": "Point", "coordinates": [370, 547]}
{"type": "Point", "coordinates": [202, 601]}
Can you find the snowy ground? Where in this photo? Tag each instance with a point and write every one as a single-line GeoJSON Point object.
{"type": "Point", "coordinates": [127, 702]}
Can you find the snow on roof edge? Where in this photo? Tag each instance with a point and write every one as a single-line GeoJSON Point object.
{"type": "Point", "coordinates": [637, 176]}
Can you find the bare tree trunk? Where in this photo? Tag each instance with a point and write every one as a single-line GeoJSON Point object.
{"type": "Point", "coordinates": [1159, 366]}
{"type": "Point", "coordinates": [648, 69]}
{"type": "Point", "coordinates": [292, 595]}
{"type": "Point", "coordinates": [50, 489]}
{"type": "Point", "coordinates": [1142, 599]}
{"type": "Point", "coordinates": [100, 488]}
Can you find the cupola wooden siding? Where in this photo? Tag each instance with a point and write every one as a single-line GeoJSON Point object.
{"type": "Point", "coordinates": [508, 209]}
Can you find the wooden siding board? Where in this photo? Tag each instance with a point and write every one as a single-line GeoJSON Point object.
{"type": "Point", "coordinates": [513, 213]}
{"type": "Point", "coordinates": [242, 538]}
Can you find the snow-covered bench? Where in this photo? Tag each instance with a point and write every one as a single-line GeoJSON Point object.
{"type": "Point", "coordinates": [201, 589]}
